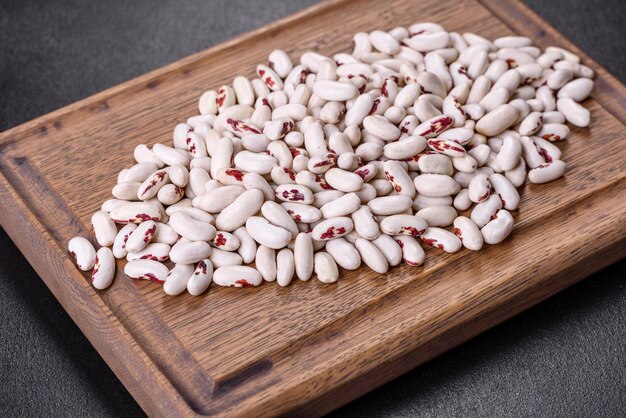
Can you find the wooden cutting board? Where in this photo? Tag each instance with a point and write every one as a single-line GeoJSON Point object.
{"type": "Point", "coordinates": [308, 348]}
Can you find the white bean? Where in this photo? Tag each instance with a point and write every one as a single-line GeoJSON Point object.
{"type": "Point", "coordinates": [83, 252]}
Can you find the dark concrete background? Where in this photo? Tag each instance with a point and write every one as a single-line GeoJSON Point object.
{"type": "Point", "coordinates": [565, 357]}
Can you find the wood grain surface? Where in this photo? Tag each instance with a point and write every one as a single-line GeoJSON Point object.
{"type": "Point", "coordinates": [308, 348]}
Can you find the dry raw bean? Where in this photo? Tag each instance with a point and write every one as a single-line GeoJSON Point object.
{"type": "Point", "coordinates": [335, 90]}
{"type": "Point", "coordinates": [265, 263]}
{"type": "Point", "coordinates": [285, 267]}
{"type": "Point", "coordinates": [294, 193]}
{"type": "Point", "coordinates": [103, 269]}
{"type": "Point", "coordinates": [280, 151]}
{"type": "Point", "coordinates": [462, 200]}
{"type": "Point", "coordinates": [452, 107]}
{"type": "Point", "coordinates": [146, 270]}
{"type": "Point", "coordinates": [517, 176]}
{"type": "Point", "coordinates": [382, 186]}
{"type": "Point", "coordinates": [201, 278]}
{"type": "Point", "coordinates": [177, 279]}
{"type": "Point", "coordinates": [381, 128]}
{"type": "Point", "coordinates": [243, 90]}
{"type": "Point", "coordinates": [434, 126]}
{"type": "Point", "coordinates": [301, 212]}
{"type": "Point", "coordinates": [325, 267]}
{"type": "Point", "coordinates": [104, 228]}
{"type": "Point", "coordinates": [221, 258]}
{"type": "Point", "coordinates": [531, 124]}
{"type": "Point", "coordinates": [323, 197]}
{"type": "Point", "coordinates": [390, 205]}
{"type": "Point", "coordinates": [139, 172]}
{"type": "Point", "coordinates": [110, 204]}
{"type": "Point", "coordinates": [235, 214]}
{"type": "Point", "coordinates": [403, 225]}
{"type": "Point", "coordinates": [277, 215]}
{"type": "Point", "coordinates": [207, 104]}
{"type": "Point", "coordinates": [468, 233]}
{"type": "Point", "coordinates": [198, 178]}
{"type": "Point", "coordinates": [498, 228]}
{"type": "Point", "coordinates": [484, 211]}
{"type": "Point", "coordinates": [553, 117]}
{"type": "Point", "coordinates": [254, 181]}
{"type": "Point", "coordinates": [371, 256]}
{"type": "Point", "coordinates": [343, 206]}
{"type": "Point", "coordinates": [126, 191]}
{"type": "Point", "coordinates": [497, 120]}
{"type": "Point", "coordinates": [461, 136]}
{"type": "Point", "coordinates": [344, 253]}
{"type": "Point", "coordinates": [390, 249]}
{"type": "Point", "coordinates": [344, 181]}
{"type": "Point", "coordinates": [179, 175]}
{"type": "Point", "coordinates": [553, 131]}
{"type": "Point", "coordinates": [170, 194]}
{"type": "Point", "coordinates": [348, 161]}
{"type": "Point", "coordinates": [503, 187]}
{"type": "Point", "coordinates": [247, 245]}
{"type": "Point", "coordinates": [255, 163]}
{"type": "Point", "coordinates": [313, 182]}
{"type": "Point", "coordinates": [437, 215]}
{"type": "Point", "coordinates": [574, 113]}
{"type": "Point", "coordinates": [365, 223]}
{"type": "Point", "coordinates": [510, 152]}
{"type": "Point", "coordinates": [435, 163]}
{"type": "Point", "coordinates": [266, 234]}
{"type": "Point", "coordinates": [436, 185]}
{"type": "Point", "coordinates": [531, 153]}
{"type": "Point", "coordinates": [368, 172]}
{"type": "Point", "coordinates": [547, 172]}
{"type": "Point", "coordinates": [190, 228]}
{"type": "Point", "coordinates": [332, 228]}
{"type": "Point", "coordinates": [237, 276]}
{"type": "Point", "coordinates": [83, 252]}
{"type": "Point", "coordinates": [225, 241]}
{"type": "Point", "coordinates": [152, 184]}
{"type": "Point", "coordinates": [577, 90]}
{"type": "Point", "coordinates": [412, 252]}
{"type": "Point", "coordinates": [141, 236]}
{"type": "Point", "coordinates": [169, 155]}
{"type": "Point", "coordinates": [367, 193]}
{"type": "Point", "coordinates": [303, 256]}
{"type": "Point", "coordinates": [164, 234]}
{"type": "Point", "coordinates": [405, 148]}
{"type": "Point", "coordinates": [421, 202]}
{"type": "Point", "coordinates": [446, 147]}
{"type": "Point", "coordinates": [280, 62]}
{"type": "Point", "coordinates": [154, 251]}
{"type": "Point", "coordinates": [269, 77]}
{"type": "Point", "coordinates": [186, 252]}
{"type": "Point", "coordinates": [119, 245]}
{"type": "Point", "coordinates": [440, 238]}
{"type": "Point", "coordinates": [201, 162]}
{"type": "Point", "coordinates": [155, 202]}
{"type": "Point", "coordinates": [466, 164]}
{"type": "Point", "coordinates": [464, 179]}
{"type": "Point", "coordinates": [399, 178]}
{"type": "Point", "coordinates": [195, 213]}
{"type": "Point", "coordinates": [547, 149]}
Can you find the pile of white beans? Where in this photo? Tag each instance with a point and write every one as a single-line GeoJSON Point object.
{"type": "Point", "coordinates": [342, 161]}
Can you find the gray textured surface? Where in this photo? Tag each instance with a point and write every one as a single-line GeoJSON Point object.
{"type": "Point", "coordinates": [563, 357]}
